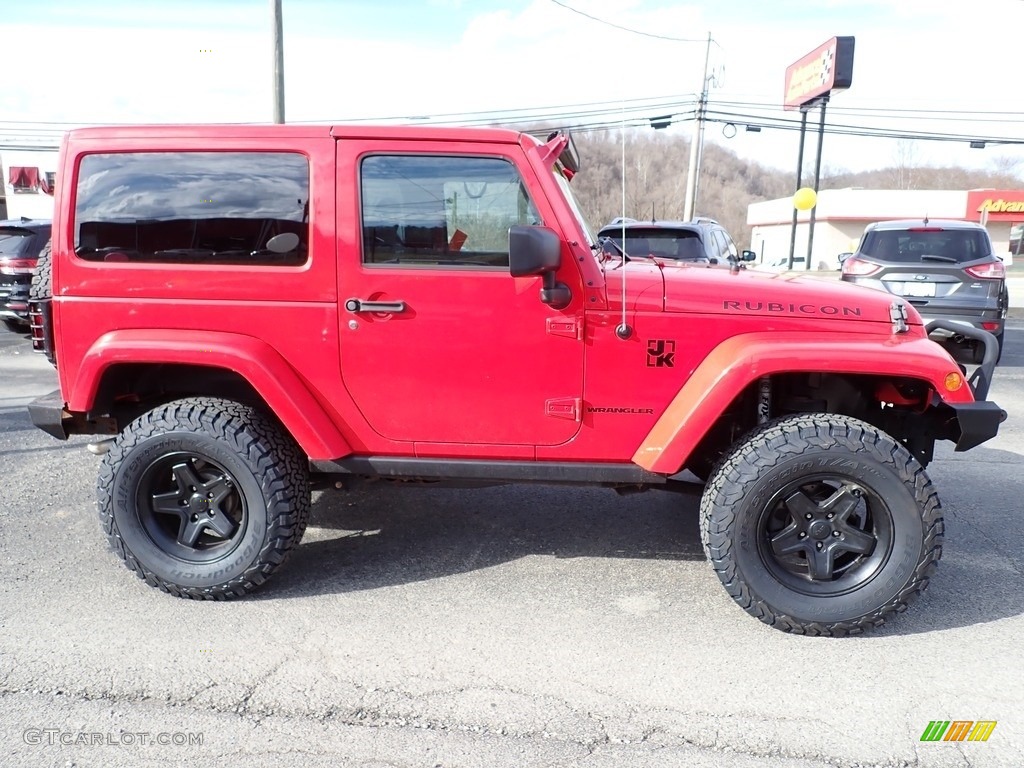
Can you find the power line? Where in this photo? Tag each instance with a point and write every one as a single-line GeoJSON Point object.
{"type": "Point", "coordinates": [632, 31]}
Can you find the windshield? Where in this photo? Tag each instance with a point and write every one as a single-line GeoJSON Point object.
{"type": "Point", "coordinates": [574, 205]}
{"type": "Point", "coordinates": [685, 245]}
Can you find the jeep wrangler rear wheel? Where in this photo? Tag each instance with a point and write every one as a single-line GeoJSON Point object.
{"type": "Point", "coordinates": [203, 498]}
{"type": "Point", "coordinates": [821, 525]}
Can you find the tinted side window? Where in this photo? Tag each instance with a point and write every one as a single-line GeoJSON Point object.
{"type": "Point", "coordinates": [730, 246]}
{"type": "Point", "coordinates": [721, 244]}
{"type": "Point", "coordinates": [441, 211]}
{"type": "Point", "coordinates": [194, 207]}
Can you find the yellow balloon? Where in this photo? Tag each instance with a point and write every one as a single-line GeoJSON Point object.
{"type": "Point", "coordinates": [804, 199]}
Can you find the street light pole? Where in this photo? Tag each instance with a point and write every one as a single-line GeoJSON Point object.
{"type": "Point", "coordinates": [696, 143]}
{"type": "Point", "coordinates": [278, 61]}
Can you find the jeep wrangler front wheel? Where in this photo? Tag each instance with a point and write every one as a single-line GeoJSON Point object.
{"type": "Point", "coordinates": [203, 498]}
{"type": "Point", "coordinates": [822, 525]}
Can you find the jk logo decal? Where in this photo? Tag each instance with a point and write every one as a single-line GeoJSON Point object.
{"type": "Point", "coordinates": [661, 353]}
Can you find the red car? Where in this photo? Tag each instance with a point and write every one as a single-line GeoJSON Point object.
{"type": "Point", "coordinates": [251, 311]}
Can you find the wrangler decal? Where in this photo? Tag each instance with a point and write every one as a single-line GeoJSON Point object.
{"type": "Point", "coordinates": [599, 409]}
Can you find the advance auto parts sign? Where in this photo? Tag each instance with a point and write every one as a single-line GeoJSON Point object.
{"type": "Point", "coordinates": [827, 68]}
{"type": "Point", "coordinates": [1001, 204]}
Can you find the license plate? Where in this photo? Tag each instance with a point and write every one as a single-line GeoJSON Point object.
{"type": "Point", "coordinates": [919, 289]}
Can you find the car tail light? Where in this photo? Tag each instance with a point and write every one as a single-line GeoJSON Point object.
{"type": "Point", "coordinates": [859, 267]}
{"type": "Point", "coordinates": [992, 271]}
{"type": "Point", "coordinates": [990, 326]}
{"type": "Point", "coordinates": [17, 266]}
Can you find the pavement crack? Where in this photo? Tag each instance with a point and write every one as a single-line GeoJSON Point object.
{"type": "Point", "coordinates": [991, 541]}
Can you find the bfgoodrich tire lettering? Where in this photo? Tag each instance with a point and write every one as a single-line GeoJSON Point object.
{"type": "Point", "coordinates": [203, 498]}
{"type": "Point", "coordinates": [821, 524]}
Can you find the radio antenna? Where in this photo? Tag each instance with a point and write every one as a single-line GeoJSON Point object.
{"type": "Point", "coordinates": [623, 331]}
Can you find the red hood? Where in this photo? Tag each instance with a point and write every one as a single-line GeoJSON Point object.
{"type": "Point", "coordinates": [759, 294]}
{"type": "Point", "coordinates": [645, 287]}
{"type": "Point", "coordinates": [701, 290]}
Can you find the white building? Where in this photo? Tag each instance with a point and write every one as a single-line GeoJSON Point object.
{"type": "Point", "coordinates": [842, 214]}
{"type": "Point", "coordinates": [29, 178]}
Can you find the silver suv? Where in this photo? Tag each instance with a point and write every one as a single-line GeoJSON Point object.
{"type": "Point", "coordinates": [702, 241]}
{"type": "Point", "coordinates": [945, 268]}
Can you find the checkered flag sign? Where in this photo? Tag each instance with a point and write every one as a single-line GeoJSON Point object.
{"type": "Point", "coordinates": [826, 64]}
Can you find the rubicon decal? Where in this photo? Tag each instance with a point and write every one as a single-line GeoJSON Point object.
{"type": "Point", "coordinates": [777, 307]}
{"type": "Point", "coordinates": [661, 353]}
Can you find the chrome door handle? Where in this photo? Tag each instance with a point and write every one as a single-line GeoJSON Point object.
{"type": "Point", "coordinates": [358, 305]}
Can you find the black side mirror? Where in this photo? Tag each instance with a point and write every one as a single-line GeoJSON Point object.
{"type": "Point", "coordinates": [538, 251]}
{"type": "Point", "coordinates": [748, 256]}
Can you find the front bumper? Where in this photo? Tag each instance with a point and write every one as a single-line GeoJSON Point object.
{"type": "Point", "coordinates": [978, 421]}
{"type": "Point", "coordinates": [981, 379]}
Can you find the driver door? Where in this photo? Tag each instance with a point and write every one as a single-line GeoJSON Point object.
{"type": "Point", "coordinates": [439, 343]}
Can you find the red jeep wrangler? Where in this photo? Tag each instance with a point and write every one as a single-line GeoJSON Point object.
{"type": "Point", "coordinates": [256, 311]}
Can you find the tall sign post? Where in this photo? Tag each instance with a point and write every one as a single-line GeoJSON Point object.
{"type": "Point", "coordinates": [275, 8]}
{"type": "Point", "coordinates": [810, 82]}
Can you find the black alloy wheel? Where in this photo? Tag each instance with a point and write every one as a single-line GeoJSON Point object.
{"type": "Point", "coordinates": [821, 524]}
{"type": "Point", "coordinates": [191, 507]}
{"type": "Point", "coordinates": [203, 498]}
{"type": "Point", "coordinates": [825, 535]}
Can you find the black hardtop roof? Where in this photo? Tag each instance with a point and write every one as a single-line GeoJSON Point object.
{"type": "Point", "coordinates": [33, 224]}
{"type": "Point", "coordinates": [690, 226]}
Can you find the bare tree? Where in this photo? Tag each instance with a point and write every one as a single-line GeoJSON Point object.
{"type": "Point", "coordinates": [905, 158]}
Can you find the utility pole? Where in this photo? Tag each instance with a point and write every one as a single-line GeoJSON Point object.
{"type": "Point", "coordinates": [696, 143]}
{"type": "Point", "coordinates": [278, 61]}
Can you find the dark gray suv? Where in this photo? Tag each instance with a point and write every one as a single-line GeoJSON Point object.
{"type": "Point", "coordinates": [21, 240]}
{"type": "Point", "coordinates": [945, 268]}
{"type": "Point", "coordinates": [699, 242]}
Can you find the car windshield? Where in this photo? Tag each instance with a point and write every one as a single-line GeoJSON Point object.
{"type": "Point", "coordinates": [926, 244]}
{"type": "Point", "coordinates": [14, 242]}
{"type": "Point", "coordinates": [570, 198]}
{"type": "Point", "coordinates": [663, 243]}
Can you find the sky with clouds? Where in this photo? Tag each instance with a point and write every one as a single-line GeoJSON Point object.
{"type": "Point", "coordinates": [938, 66]}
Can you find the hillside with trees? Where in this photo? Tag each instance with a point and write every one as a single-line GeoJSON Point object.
{"type": "Point", "coordinates": [657, 168]}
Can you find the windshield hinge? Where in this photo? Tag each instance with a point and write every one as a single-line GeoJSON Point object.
{"type": "Point", "coordinates": [898, 316]}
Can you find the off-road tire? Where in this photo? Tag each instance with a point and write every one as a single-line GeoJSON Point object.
{"type": "Point", "coordinates": [41, 287]}
{"type": "Point", "coordinates": [816, 454]}
{"type": "Point", "coordinates": [234, 449]}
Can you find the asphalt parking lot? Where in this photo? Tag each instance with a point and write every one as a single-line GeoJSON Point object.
{"type": "Point", "coordinates": [516, 626]}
